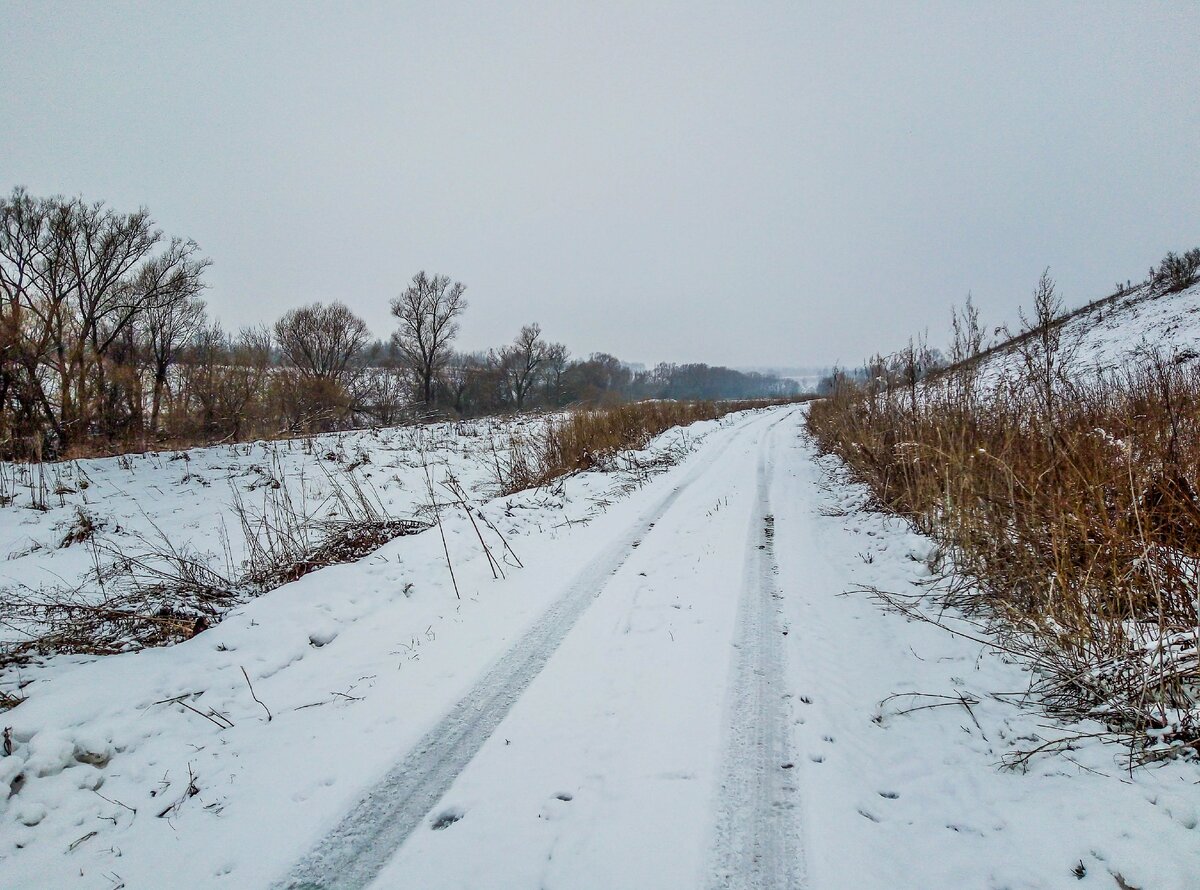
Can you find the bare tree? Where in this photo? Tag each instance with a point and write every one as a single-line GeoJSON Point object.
{"type": "Point", "coordinates": [114, 276]}
{"type": "Point", "coordinates": [321, 342]}
{"type": "Point", "coordinates": [167, 326]}
{"type": "Point", "coordinates": [521, 362]}
{"type": "Point", "coordinates": [35, 289]}
{"type": "Point", "coordinates": [224, 382]}
{"type": "Point", "coordinates": [428, 313]}
{"type": "Point", "coordinates": [465, 379]}
{"type": "Point", "coordinates": [555, 367]}
{"type": "Point", "coordinates": [75, 278]}
{"type": "Point", "coordinates": [602, 376]}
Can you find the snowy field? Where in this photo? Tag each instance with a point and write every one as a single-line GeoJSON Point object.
{"type": "Point", "coordinates": [217, 503]}
{"type": "Point", "coordinates": [669, 686]}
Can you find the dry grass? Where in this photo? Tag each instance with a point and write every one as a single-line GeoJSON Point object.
{"type": "Point", "coordinates": [1075, 524]}
{"type": "Point", "coordinates": [152, 592]}
{"type": "Point", "coordinates": [592, 437]}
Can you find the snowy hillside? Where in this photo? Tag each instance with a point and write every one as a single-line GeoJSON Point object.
{"type": "Point", "coordinates": [1109, 333]}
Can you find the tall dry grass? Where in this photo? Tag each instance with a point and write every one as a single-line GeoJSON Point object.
{"type": "Point", "coordinates": [1075, 524]}
{"type": "Point", "coordinates": [589, 437]}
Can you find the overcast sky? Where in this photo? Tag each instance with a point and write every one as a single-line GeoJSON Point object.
{"type": "Point", "coordinates": [745, 184]}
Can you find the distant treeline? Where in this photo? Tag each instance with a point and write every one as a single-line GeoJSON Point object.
{"type": "Point", "coordinates": [105, 345]}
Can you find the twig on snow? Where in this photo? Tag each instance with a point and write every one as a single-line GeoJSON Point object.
{"type": "Point", "coordinates": [255, 697]}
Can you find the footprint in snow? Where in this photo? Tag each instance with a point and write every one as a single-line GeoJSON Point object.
{"type": "Point", "coordinates": [446, 819]}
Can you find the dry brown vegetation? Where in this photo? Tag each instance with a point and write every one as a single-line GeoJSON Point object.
{"type": "Point", "coordinates": [153, 591]}
{"type": "Point", "coordinates": [1069, 512]}
{"type": "Point", "coordinates": [589, 437]}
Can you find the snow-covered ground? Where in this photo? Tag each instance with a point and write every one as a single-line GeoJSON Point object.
{"type": "Point", "coordinates": [193, 497]}
{"type": "Point", "coordinates": [1108, 338]}
{"type": "Point", "coordinates": [675, 690]}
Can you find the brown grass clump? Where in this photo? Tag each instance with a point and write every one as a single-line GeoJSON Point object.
{"type": "Point", "coordinates": [1073, 519]}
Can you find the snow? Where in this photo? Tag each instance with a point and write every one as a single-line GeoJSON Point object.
{"type": "Point", "coordinates": [1109, 337]}
{"type": "Point", "coordinates": [924, 798]}
{"type": "Point", "coordinates": [194, 496]}
{"type": "Point", "coordinates": [591, 713]}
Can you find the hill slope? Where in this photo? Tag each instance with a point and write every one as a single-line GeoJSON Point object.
{"type": "Point", "coordinates": [1107, 334]}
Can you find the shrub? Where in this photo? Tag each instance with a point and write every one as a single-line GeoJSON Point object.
{"type": "Point", "coordinates": [1175, 273]}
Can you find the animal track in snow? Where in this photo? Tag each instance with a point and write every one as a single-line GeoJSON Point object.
{"type": "Point", "coordinates": [446, 818]}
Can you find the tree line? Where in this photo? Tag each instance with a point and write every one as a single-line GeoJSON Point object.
{"type": "Point", "coordinates": [106, 345]}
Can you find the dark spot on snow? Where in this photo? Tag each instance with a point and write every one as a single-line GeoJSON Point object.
{"type": "Point", "coordinates": [446, 819]}
{"type": "Point", "coordinates": [788, 765]}
{"type": "Point", "coordinates": [817, 758]}
{"type": "Point", "coordinates": [564, 796]}
{"type": "Point", "coordinates": [806, 699]}
{"type": "Point", "coordinates": [828, 738]}
{"type": "Point", "coordinates": [890, 795]}
{"type": "Point", "coordinates": [867, 815]}
{"type": "Point", "coordinates": [320, 638]}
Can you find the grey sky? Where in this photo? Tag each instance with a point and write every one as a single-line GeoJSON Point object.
{"type": "Point", "coordinates": [745, 184]}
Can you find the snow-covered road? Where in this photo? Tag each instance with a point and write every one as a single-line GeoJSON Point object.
{"type": "Point", "coordinates": [676, 692]}
{"type": "Point", "coordinates": [701, 707]}
{"type": "Point", "coordinates": [647, 696]}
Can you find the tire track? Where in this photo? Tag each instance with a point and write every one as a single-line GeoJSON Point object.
{"type": "Point", "coordinates": [757, 841]}
{"type": "Point", "coordinates": [355, 851]}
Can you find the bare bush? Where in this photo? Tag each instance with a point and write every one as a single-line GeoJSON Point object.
{"type": "Point", "coordinates": [1176, 272]}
